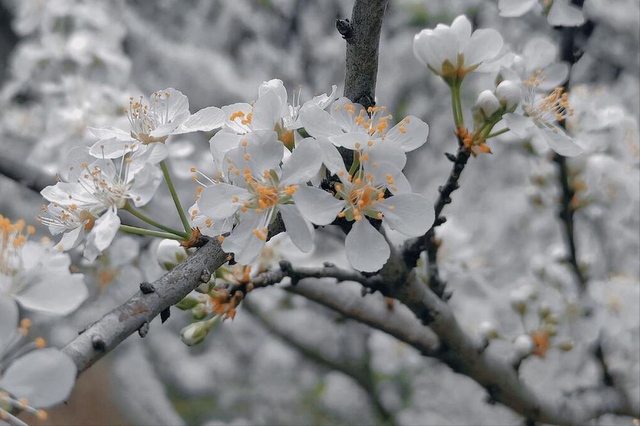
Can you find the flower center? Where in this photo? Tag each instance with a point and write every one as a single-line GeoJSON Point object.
{"type": "Point", "coordinates": [12, 237]}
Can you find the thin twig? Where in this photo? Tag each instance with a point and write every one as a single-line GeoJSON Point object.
{"type": "Point", "coordinates": [413, 247]}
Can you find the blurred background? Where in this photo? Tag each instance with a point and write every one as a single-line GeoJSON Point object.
{"type": "Point", "coordinates": [69, 64]}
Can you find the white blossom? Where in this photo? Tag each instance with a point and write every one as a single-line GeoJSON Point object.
{"type": "Point", "coordinates": [35, 275]}
{"type": "Point", "coordinates": [559, 12]}
{"type": "Point", "coordinates": [255, 188]}
{"type": "Point", "coordinates": [94, 193]}
{"type": "Point", "coordinates": [452, 52]}
{"type": "Point", "coordinates": [361, 195]}
{"type": "Point", "coordinates": [31, 377]}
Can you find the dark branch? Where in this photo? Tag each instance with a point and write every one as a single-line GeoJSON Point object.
{"type": "Point", "coordinates": [428, 242]}
{"type": "Point", "coordinates": [571, 50]}
{"type": "Point", "coordinates": [362, 33]}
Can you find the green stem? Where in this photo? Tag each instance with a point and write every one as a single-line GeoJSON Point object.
{"type": "Point", "coordinates": [150, 233]}
{"type": "Point", "coordinates": [174, 195]}
{"type": "Point", "coordinates": [456, 104]}
{"type": "Point", "coordinates": [141, 216]}
{"type": "Point", "coordinates": [498, 133]}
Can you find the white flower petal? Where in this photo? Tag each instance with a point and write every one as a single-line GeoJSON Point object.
{"type": "Point", "coordinates": [317, 205]}
{"type": "Point", "coordinates": [222, 142]}
{"type": "Point", "coordinates": [412, 214]}
{"type": "Point", "coordinates": [515, 8]}
{"type": "Point", "coordinates": [303, 164]}
{"type": "Point", "coordinates": [44, 377]}
{"type": "Point", "coordinates": [265, 152]}
{"type": "Point", "coordinates": [112, 148]}
{"type": "Point", "coordinates": [319, 123]}
{"type": "Point", "coordinates": [561, 143]}
{"type": "Point", "coordinates": [462, 28]}
{"type": "Point", "coordinates": [72, 238]}
{"type": "Point", "coordinates": [216, 201]}
{"type": "Point", "coordinates": [77, 156]}
{"type": "Point", "coordinates": [205, 120]}
{"type": "Point", "coordinates": [518, 124]}
{"type": "Point", "coordinates": [275, 85]}
{"type": "Point", "coordinates": [366, 248]}
{"type": "Point", "coordinates": [350, 140]}
{"type": "Point", "coordinates": [331, 157]}
{"type": "Point", "coordinates": [267, 111]}
{"type": "Point", "coordinates": [102, 234]}
{"type": "Point", "coordinates": [173, 107]}
{"type": "Point", "coordinates": [111, 133]}
{"type": "Point", "coordinates": [484, 45]}
{"type": "Point", "coordinates": [345, 116]}
{"type": "Point", "coordinates": [54, 294]}
{"type": "Point", "coordinates": [563, 13]}
{"type": "Point", "coordinates": [8, 321]}
{"type": "Point", "coordinates": [538, 53]}
{"type": "Point", "coordinates": [230, 110]}
{"type": "Point", "coordinates": [242, 242]}
{"type": "Point", "coordinates": [422, 50]}
{"type": "Point", "coordinates": [299, 229]}
{"type": "Point", "coordinates": [554, 76]}
{"type": "Point", "coordinates": [445, 43]}
{"type": "Point", "coordinates": [414, 136]}
{"type": "Point", "coordinates": [145, 185]}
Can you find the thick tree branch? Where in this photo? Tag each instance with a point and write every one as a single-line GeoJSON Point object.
{"type": "Point", "coordinates": [154, 298]}
{"type": "Point", "coordinates": [374, 313]}
{"type": "Point", "coordinates": [362, 33]}
{"type": "Point", "coordinates": [466, 355]}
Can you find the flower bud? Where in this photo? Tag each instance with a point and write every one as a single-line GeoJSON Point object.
{"type": "Point", "coordinates": [524, 345]}
{"type": "Point", "coordinates": [199, 311]}
{"type": "Point", "coordinates": [566, 345]}
{"type": "Point", "coordinates": [544, 310]}
{"type": "Point", "coordinates": [170, 253]}
{"type": "Point", "coordinates": [488, 102]}
{"type": "Point", "coordinates": [196, 332]}
{"type": "Point", "coordinates": [518, 65]}
{"type": "Point", "coordinates": [509, 94]}
{"type": "Point", "coordinates": [187, 303]}
{"type": "Point", "coordinates": [488, 330]}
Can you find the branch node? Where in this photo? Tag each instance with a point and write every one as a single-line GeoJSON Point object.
{"type": "Point", "coordinates": [345, 29]}
{"type": "Point", "coordinates": [147, 288]}
{"type": "Point", "coordinates": [144, 329]}
{"type": "Point", "coordinates": [205, 277]}
{"type": "Point", "coordinates": [450, 157]}
{"type": "Point", "coordinates": [98, 343]}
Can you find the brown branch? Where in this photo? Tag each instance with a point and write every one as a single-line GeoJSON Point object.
{"type": "Point", "coordinates": [464, 354]}
{"type": "Point", "coordinates": [413, 247]}
{"type": "Point", "coordinates": [571, 52]}
{"type": "Point", "coordinates": [362, 34]}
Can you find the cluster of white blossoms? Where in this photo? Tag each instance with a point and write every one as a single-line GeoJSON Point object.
{"type": "Point", "coordinates": [266, 167]}
{"type": "Point", "coordinates": [559, 12]}
{"type": "Point", "coordinates": [36, 277]}
{"type": "Point", "coordinates": [528, 98]}
{"type": "Point", "coordinates": [272, 157]}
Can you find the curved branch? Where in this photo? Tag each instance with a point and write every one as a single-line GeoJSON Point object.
{"type": "Point", "coordinates": [154, 298]}
{"type": "Point", "coordinates": [464, 354]}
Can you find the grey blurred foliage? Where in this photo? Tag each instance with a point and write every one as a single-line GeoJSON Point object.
{"type": "Point", "coordinates": [72, 64]}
